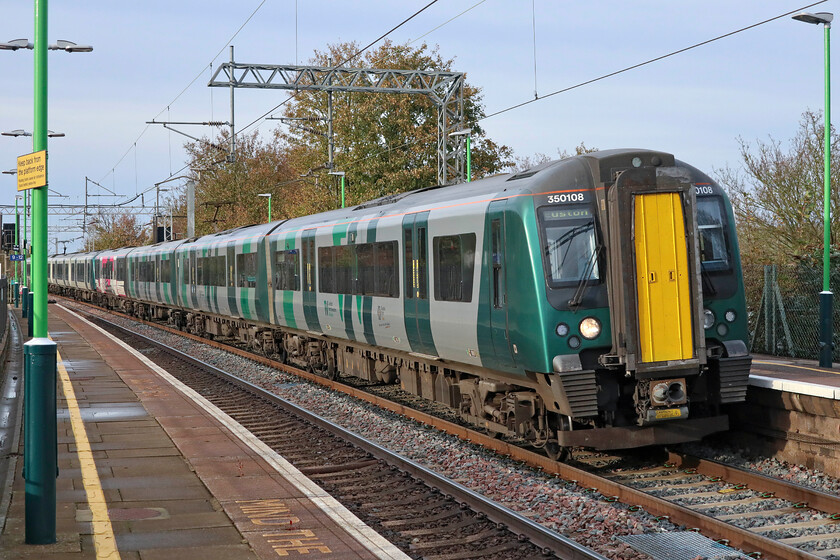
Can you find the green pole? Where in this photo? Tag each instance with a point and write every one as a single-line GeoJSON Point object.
{"type": "Point", "coordinates": [269, 208]}
{"type": "Point", "coordinates": [17, 238]}
{"type": "Point", "coordinates": [827, 162]}
{"type": "Point", "coordinates": [25, 237]}
{"type": "Point", "coordinates": [469, 161]}
{"type": "Point", "coordinates": [39, 195]}
{"type": "Point", "coordinates": [40, 425]}
{"type": "Point", "coordinates": [826, 296]}
{"type": "Point", "coordinates": [342, 191]}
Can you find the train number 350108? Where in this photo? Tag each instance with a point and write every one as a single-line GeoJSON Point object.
{"type": "Point", "coordinates": [567, 197]}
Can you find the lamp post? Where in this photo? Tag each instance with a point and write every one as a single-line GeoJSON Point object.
{"type": "Point", "coordinates": [40, 458]}
{"type": "Point", "coordinates": [465, 132]}
{"type": "Point", "coordinates": [826, 296]}
{"type": "Point", "coordinates": [267, 195]}
{"type": "Point", "coordinates": [17, 243]}
{"type": "Point", "coordinates": [340, 174]}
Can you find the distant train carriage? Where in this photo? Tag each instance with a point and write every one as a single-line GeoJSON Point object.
{"type": "Point", "coordinates": [111, 271]}
{"type": "Point", "coordinates": [595, 300]}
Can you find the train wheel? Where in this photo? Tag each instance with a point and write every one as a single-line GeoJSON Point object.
{"type": "Point", "coordinates": [557, 453]}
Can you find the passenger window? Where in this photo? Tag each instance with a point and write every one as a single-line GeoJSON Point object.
{"type": "Point", "coordinates": [287, 276]}
{"type": "Point", "coordinates": [454, 258]}
{"type": "Point", "coordinates": [713, 252]}
{"type": "Point", "coordinates": [246, 270]}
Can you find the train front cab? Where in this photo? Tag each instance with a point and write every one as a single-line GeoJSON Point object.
{"type": "Point", "coordinates": [669, 367]}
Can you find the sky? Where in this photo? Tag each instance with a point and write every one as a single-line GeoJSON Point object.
{"type": "Point", "coordinates": [152, 59]}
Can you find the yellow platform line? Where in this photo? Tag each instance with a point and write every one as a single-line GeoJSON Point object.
{"type": "Point", "coordinates": [766, 363]}
{"type": "Point", "coordinates": [103, 533]}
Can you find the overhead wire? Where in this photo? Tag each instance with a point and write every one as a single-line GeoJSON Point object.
{"type": "Point", "coordinates": [242, 130]}
{"type": "Point", "coordinates": [168, 105]}
{"type": "Point", "coordinates": [453, 18]}
{"type": "Point", "coordinates": [346, 60]}
{"type": "Point", "coordinates": [417, 139]}
{"type": "Point", "coordinates": [650, 61]}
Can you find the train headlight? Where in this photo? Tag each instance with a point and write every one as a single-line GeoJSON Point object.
{"type": "Point", "coordinates": [708, 318]}
{"type": "Point", "coordinates": [590, 328]}
{"type": "Point", "coordinates": [722, 329]}
{"type": "Point", "coordinates": [574, 342]}
{"type": "Point", "coordinates": [562, 329]}
{"type": "Point", "coordinates": [730, 316]}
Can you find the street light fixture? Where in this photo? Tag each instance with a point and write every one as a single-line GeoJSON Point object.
{"type": "Point", "coordinates": [465, 132]}
{"type": "Point", "coordinates": [19, 132]}
{"type": "Point", "coordinates": [60, 45]}
{"type": "Point", "coordinates": [826, 297]}
{"type": "Point", "coordinates": [340, 174]}
{"type": "Point", "coordinates": [267, 195]}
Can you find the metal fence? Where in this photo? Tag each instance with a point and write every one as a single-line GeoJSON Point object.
{"type": "Point", "coordinates": [783, 308]}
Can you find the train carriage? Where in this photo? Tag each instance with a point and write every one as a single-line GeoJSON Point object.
{"type": "Point", "coordinates": [595, 300]}
{"type": "Point", "coordinates": [218, 274]}
{"type": "Point", "coordinates": [111, 273]}
{"type": "Point", "coordinates": [151, 278]}
{"type": "Point", "coordinates": [73, 273]}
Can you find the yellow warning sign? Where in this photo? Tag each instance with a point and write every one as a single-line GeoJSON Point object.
{"type": "Point", "coordinates": [32, 170]}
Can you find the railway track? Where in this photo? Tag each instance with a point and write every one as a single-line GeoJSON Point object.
{"type": "Point", "coordinates": [426, 515]}
{"type": "Point", "coordinates": [784, 520]}
{"type": "Point", "coordinates": [803, 522]}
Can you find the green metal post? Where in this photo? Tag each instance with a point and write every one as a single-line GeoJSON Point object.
{"type": "Point", "coordinates": [17, 241]}
{"type": "Point", "coordinates": [24, 296]}
{"type": "Point", "coordinates": [342, 191]}
{"type": "Point", "coordinates": [40, 352]}
{"type": "Point", "coordinates": [269, 209]}
{"type": "Point", "coordinates": [826, 297]}
{"type": "Point", "coordinates": [40, 440]}
{"type": "Point", "coordinates": [25, 236]}
{"type": "Point", "coordinates": [469, 161]}
{"type": "Point", "coordinates": [30, 328]}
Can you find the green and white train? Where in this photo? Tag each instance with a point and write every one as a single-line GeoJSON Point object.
{"type": "Point", "coordinates": [594, 301]}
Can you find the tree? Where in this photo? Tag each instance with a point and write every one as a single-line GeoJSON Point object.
{"type": "Point", "coordinates": [226, 193]}
{"type": "Point", "coordinates": [385, 143]}
{"type": "Point", "coordinates": [112, 230]}
{"type": "Point", "coordinates": [777, 196]}
{"type": "Point", "coordinates": [527, 162]}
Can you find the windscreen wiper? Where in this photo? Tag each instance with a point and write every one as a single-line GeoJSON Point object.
{"type": "Point", "coordinates": [583, 284]}
{"type": "Point", "coordinates": [568, 236]}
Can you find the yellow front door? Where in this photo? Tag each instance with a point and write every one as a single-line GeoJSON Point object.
{"type": "Point", "coordinates": [662, 278]}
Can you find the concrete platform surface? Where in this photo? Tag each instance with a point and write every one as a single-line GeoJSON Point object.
{"type": "Point", "coordinates": [792, 375]}
{"type": "Point", "coordinates": [146, 473]}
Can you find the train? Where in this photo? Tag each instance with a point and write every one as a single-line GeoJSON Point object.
{"type": "Point", "coordinates": [593, 301]}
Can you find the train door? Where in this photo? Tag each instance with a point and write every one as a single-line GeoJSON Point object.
{"type": "Point", "coordinates": [653, 273]}
{"type": "Point", "coordinates": [418, 326]}
{"type": "Point", "coordinates": [498, 294]}
{"type": "Point", "coordinates": [662, 278]}
{"type": "Point", "coordinates": [191, 272]}
{"type": "Point", "coordinates": [310, 292]}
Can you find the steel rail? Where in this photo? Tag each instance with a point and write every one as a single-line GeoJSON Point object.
{"type": "Point", "coordinates": [540, 536]}
{"type": "Point", "coordinates": [709, 526]}
{"type": "Point", "coordinates": [782, 489]}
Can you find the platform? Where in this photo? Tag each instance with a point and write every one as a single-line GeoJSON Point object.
{"type": "Point", "coordinates": [147, 473]}
{"type": "Point", "coordinates": [804, 377]}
